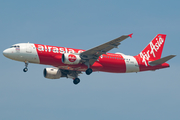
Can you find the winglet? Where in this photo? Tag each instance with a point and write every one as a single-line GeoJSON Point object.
{"type": "Point", "coordinates": [130, 35]}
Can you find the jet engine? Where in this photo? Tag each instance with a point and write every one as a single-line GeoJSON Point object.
{"type": "Point", "coordinates": [71, 59]}
{"type": "Point", "coordinates": [52, 73]}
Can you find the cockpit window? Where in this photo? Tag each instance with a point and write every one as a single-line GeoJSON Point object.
{"type": "Point", "coordinates": [15, 46]}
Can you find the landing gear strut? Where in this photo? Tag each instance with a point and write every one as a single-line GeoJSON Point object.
{"type": "Point", "coordinates": [89, 70]}
{"type": "Point", "coordinates": [76, 81]}
{"type": "Point", "coordinates": [26, 65]}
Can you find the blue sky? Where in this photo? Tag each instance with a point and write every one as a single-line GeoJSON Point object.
{"type": "Point", "coordinates": [86, 24]}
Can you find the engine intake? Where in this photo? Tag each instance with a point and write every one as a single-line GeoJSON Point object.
{"type": "Point", "coordinates": [52, 73]}
{"type": "Point", "coordinates": [71, 59]}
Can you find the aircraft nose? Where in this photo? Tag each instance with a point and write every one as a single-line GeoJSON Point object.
{"type": "Point", "coordinates": [6, 52]}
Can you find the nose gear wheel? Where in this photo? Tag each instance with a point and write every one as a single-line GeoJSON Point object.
{"type": "Point", "coordinates": [26, 65]}
{"type": "Point", "coordinates": [25, 69]}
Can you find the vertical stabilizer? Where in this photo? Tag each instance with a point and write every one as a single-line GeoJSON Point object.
{"type": "Point", "coordinates": [154, 49]}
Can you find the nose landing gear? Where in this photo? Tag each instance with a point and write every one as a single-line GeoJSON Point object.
{"type": "Point", "coordinates": [26, 65]}
{"type": "Point", "coordinates": [25, 69]}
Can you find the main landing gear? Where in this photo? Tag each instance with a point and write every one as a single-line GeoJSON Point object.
{"type": "Point", "coordinates": [76, 81]}
{"type": "Point", "coordinates": [26, 65]}
{"type": "Point", "coordinates": [89, 71]}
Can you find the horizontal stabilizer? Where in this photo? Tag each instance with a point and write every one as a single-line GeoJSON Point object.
{"type": "Point", "coordinates": [161, 61]}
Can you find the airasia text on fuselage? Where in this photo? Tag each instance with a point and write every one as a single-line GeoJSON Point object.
{"type": "Point", "coordinates": [47, 48]}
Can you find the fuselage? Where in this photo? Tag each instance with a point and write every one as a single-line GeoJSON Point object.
{"type": "Point", "coordinates": [52, 55]}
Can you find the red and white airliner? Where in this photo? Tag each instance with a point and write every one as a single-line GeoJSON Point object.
{"type": "Point", "coordinates": [70, 62]}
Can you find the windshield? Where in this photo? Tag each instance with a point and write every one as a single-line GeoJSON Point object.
{"type": "Point", "coordinates": [15, 46]}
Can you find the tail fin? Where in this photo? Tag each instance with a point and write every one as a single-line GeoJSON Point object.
{"type": "Point", "coordinates": [154, 49]}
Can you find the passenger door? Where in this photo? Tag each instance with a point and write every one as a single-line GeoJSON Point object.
{"type": "Point", "coordinates": [28, 48]}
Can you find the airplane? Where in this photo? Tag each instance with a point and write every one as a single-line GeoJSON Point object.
{"type": "Point", "coordinates": [70, 62]}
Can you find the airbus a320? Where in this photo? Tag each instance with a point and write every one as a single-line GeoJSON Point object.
{"type": "Point", "coordinates": [70, 62]}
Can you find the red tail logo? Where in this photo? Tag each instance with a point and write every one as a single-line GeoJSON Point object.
{"type": "Point", "coordinates": [154, 49]}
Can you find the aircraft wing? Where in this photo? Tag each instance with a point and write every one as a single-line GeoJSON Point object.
{"type": "Point", "coordinates": [93, 54]}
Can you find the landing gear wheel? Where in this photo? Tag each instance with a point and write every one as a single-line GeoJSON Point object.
{"type": "Point", "coordinates": [25, 69]}
{"type": "Point", "coordinates": [26, 65]}
{"type": "Point", "coordinates": [76, 81]}
{"type": "Point", "coordinates": [89, 71]}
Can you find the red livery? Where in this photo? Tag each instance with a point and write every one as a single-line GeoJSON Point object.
{"type": "Point", "coordinates": [69, 62]}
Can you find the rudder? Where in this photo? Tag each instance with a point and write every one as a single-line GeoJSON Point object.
{"type": "Point", "coordinates": [154, 49]}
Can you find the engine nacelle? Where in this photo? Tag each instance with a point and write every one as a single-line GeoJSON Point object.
{"type": "Point", "coordinates": [52, 73]}
{"type": "Point", "coordinates": [71, 59]}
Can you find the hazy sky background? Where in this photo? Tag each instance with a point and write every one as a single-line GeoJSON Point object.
{"type": "Point", "coordinates": [86, 24]}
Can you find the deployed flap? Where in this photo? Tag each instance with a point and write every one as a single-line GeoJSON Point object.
{"type": "Point", "coordinates": [162, 60]}
{"type": "Point", "coordinates": [93, 54]}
